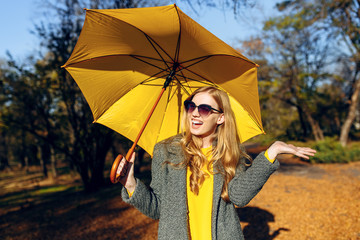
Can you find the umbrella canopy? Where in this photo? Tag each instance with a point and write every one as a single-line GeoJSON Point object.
{"type": "Point", "coordinates": [125, 58]}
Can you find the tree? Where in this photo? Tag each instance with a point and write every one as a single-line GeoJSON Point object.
{"type": "Point", "coordinates": [340, 20]}
{"type": "Point", "coordinates": [299, 58]}
{"type": "Point", "coordinates": [28, 109]}
{"type": "Point", "coordinates": [44, 109]}
{"type": "Point", "coordinates": [87, 144]}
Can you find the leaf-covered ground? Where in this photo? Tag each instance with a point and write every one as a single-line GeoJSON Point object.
{"type": "Point", "coordinates": [300, 201]}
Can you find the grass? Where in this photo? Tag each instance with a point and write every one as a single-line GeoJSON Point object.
{"type": "Point", "coordinates": [20, 189]}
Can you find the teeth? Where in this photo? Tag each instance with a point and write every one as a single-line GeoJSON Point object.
{"type": "Point", "coordinates": [196, 122]}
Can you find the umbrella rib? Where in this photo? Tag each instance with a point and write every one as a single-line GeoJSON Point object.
{"type": "Point", "coordinates": [200, 59]}
{"type": "Point", "coordinates": [227, 55]}
{"type": "Point", "coordinates": [151, 42]}
{"type": "Point", "coordinates": [177, 50]}
{"type": "Point", "coordinates": [141, 56]}
{"type": "Point", "coordinates": [185, 79]}
{"type": "Point", "coordinates": [208, 82]}
{"type": "Point", "coordinates": [196, 75]}
{"type": "Point", "coordinates": [115, 55]}
{"type": "Point", "coordinates": [146, 35]}
{"type": "Point", "coordinates": [154, 85]}
{"type": "Point", "coordinates": [153, 65]}
{"type": "Point", "coordinates": [149, 79]}
{"type": "Point", "coordinates": [170, 96]}
{"type": "Point", "coordinates": [182, 86]}
{"type": "Point", "coordinates": [203, 82]}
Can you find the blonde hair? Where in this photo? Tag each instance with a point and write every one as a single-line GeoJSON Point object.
{"type": "Point", "coordinates": [226, 152]}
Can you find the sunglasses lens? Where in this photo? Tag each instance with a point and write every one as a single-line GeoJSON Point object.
{"type": "Point", "coordinates": [204, 110]}
{"type": "Point", "coordinates": [189, 106]}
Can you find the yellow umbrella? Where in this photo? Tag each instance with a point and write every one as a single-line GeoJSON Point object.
{"type": "Point", "coordinates": [134, 63]}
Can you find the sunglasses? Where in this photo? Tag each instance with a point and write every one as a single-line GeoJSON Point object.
{"type": "Point", "coordinates": [203, 109]}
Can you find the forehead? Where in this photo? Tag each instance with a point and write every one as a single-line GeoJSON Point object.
{"type": "Point", "coordinates": [204, 98]}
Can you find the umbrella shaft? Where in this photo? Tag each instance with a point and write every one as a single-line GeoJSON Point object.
{"type": "Point", "coordinates": [132, 149]}
{"type": "Point", "coordinates": [166, 84]}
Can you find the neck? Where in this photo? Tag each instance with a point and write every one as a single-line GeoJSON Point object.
{"type": "Point", "coordinates": [206, 142]}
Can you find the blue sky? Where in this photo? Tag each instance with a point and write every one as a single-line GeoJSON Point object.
{"type": "Point", "coordinates": [17, 18]}
{"type": "Point", "coordinates": [16, 21]}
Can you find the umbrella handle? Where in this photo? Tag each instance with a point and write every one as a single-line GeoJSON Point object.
{"type": "Point", "coordinates": [114, 178]}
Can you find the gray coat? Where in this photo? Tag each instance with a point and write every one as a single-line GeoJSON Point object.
{"type": "Point", "coordinates": [166, 199]}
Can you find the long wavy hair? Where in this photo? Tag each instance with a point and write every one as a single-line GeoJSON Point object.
{"type": "Point", "coordinates": [226, 151]}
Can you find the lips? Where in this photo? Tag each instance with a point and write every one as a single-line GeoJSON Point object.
{"type": "Point", "coordinates": [196, 122]}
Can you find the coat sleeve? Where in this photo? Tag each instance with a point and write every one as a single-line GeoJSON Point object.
{"type": "Point", "coordinates": [148, 200]}
{"type": "Point", "coordinates": [246, 184]}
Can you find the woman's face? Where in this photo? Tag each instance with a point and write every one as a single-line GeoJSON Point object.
{"type": "Point", "coordinates": [205, 126]}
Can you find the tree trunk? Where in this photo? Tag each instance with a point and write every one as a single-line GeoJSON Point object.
{"type": "Point", "coordinates": [26, 163]}
{"type": "Point", "coordinates": [345, 129]}
{"type": "Point", "coordinates": [316, 130]}
{"type": "Point", "coordinates": [42, 161]}
{"type": "Point", "coordinates": [302, 121]}
{"type": "Point", "coordinates": [82, 169]}
{"type": "Point", "coordinates": [53, 162]}
{"type": "Point", "coordinates": [23, 154]}
{"type": "Point", "coordinates": [4, 159]}
{"type": "Point", "coordinates": [103, 145]}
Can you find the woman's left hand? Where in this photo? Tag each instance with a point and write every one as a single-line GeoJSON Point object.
{"type": "Point", "coordinates": [279, 147]}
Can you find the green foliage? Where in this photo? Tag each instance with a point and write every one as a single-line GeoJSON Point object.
{"type": "Point", "coordinates": [331, 151]}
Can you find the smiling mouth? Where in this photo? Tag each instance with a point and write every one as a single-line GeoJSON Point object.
{"type": "Point", "coordinates": [196, 123]}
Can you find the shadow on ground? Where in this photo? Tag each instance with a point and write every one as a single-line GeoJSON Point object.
{"type": "Point", "coordinates": [257, 223]}
{"type": "Point", "coordinates": [76, 215]}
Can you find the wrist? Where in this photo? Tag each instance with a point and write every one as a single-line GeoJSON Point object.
{"type": "Point", "coordinates": [272, 151]}
{"type": "Point", "coordinates": [130, 185]}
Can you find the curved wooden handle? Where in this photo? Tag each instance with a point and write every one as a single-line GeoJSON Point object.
{"type": "Point", "coordinates": [114, 178]}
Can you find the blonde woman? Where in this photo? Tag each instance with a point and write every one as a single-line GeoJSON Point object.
{"type": "Point", "coordinates": [198, 177]}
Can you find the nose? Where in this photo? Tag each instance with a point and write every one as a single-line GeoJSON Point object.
{"type": "Point", "coordinates": [195, 113]}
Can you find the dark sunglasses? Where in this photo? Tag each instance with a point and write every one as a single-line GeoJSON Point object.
{"type": "Point", "coordinates": [203, 109]}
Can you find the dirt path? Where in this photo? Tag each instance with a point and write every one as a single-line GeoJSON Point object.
{"type": "Point", "coordinates": [300, 201]}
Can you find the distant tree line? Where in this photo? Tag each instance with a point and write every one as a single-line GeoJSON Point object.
{"type": "Point", "coordinates": [308, 81]}
{"type": "Point", "coordinates": [309, 78]}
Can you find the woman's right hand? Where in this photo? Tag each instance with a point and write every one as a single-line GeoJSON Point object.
{"type": "Point", "coordinates": [126, 171]}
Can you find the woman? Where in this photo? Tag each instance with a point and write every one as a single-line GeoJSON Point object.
{"type": "Point", "coordinates": [198, 177]}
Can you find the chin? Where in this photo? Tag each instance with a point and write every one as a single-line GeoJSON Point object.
{"type": "Point", "coordinates": [199, 133]}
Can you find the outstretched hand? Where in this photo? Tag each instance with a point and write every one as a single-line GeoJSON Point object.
{"type": "Point", "coordinates": [126, 172]}
{"type": "Point", "coordinates": [279, 147]}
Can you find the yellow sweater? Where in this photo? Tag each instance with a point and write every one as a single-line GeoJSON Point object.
{"type": "Point", "coordinates": [200, 206]}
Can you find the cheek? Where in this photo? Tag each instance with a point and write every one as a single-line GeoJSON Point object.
{"type": "Point", "coordinates": [211, 123]}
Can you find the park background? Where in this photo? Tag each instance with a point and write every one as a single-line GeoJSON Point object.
{"type": "Point", "coordinates": [55, 163]}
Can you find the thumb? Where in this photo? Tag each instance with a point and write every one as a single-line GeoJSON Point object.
{"type": "Point", "coordinates": [132, 158]}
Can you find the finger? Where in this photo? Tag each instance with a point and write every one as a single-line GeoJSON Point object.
{"type": "Point", "coordinates": [122, 168]}
{"type": "Point", "coordinates": [132, 158]}
{"type": "Point", "coordinates": [308, 151]}
{"type": "Point", "coordinates": [301, 154]}
{"type": "Point", "coordinates": [304, 154]}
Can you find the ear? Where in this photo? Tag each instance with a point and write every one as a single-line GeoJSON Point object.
{"type": "Point", "coordinates": [221, 119]}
